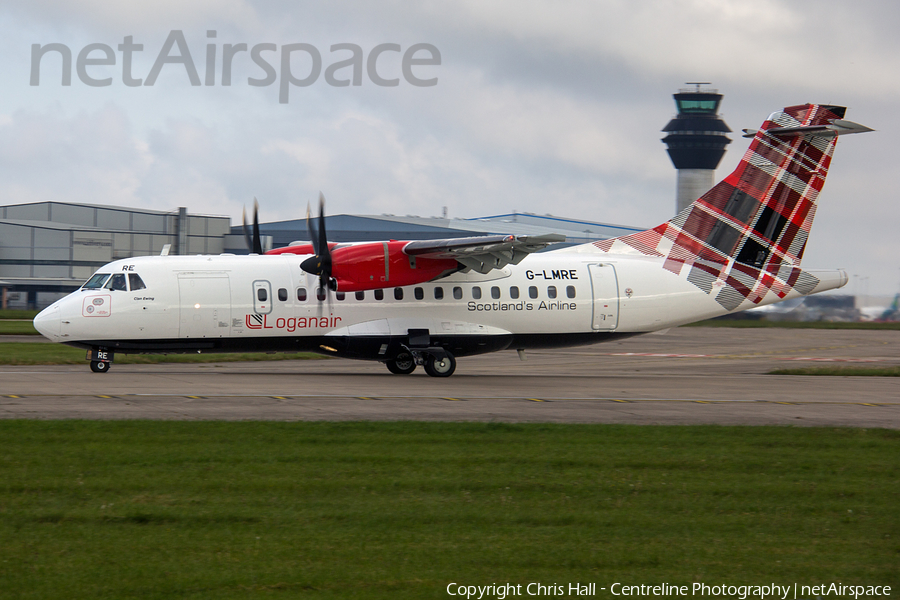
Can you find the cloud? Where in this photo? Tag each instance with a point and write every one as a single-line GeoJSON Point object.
{"type": "Point", "coordinates": [541, 108]}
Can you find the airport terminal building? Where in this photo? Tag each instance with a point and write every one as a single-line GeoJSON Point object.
{"type": "Point", "coordinates": [48, 249]}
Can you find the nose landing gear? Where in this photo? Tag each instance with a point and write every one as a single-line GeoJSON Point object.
{"type": "Point", "coordinates": [98, 366]}
{"type": "Point", "coordinates": [101, 359]}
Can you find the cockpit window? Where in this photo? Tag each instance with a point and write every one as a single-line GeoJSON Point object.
{"type": "Point", "coordinates": [96, 281]}
{"type": "Point", "coordinates": [116, 283]}
{"type": "Point", "coordinates": [135, 281]}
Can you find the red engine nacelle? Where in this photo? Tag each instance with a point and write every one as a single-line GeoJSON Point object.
{"type": "Point", "coordinates": [377, 265]}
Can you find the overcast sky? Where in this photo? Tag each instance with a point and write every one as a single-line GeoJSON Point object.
{"type": "Point", "coordinates": [538, 107]}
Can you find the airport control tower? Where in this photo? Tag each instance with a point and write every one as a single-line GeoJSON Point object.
{"type": "Point", "coordinates": [696, 141]}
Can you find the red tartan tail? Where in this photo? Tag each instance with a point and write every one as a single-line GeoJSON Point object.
{"type": "Point", "coordinates": [749, 231]}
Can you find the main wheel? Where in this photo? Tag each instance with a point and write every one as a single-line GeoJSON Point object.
{"type": "Point", "coordinates": [98, 366]}
{"type": "Point", "coordinates": [440, 368]}
{"type": "Point", "coordinates": [402, 365]}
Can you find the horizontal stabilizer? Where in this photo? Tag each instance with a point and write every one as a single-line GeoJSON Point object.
{"type": "Point", "coordinates": [834, 128]}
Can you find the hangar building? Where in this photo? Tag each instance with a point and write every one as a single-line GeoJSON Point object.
{"type": "Point", "coordinates": [51, 248]}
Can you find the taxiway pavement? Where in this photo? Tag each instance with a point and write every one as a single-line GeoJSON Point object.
{"type": "Point", "coordinates": [694, 375]}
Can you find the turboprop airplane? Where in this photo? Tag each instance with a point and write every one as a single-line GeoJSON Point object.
{"type": "Point", "coordinates": [409, 303]}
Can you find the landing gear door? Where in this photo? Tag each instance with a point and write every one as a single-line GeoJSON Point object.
{"type": "Point", "coordinates": [262, 297]}
{"type": "Point", "coordinates": [606, 297]}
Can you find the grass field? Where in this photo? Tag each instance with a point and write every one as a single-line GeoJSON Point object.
{"type": "Point", "coordinates": [399, 510]}
{"type": "Point", "coordinates": [17, 314]}
{"type": "Point", "coordinates": [25, 353]}
{"type": "Point", "coordinates": [842, 371]}
{"type": "Point", "coordinates": [17, 327]}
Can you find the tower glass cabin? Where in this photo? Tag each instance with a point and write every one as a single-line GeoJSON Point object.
{"type": "Point", "coordinates": [696, 140]}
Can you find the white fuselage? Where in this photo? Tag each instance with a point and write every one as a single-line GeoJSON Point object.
{"type": "Point", "coordinates": [267, 303]}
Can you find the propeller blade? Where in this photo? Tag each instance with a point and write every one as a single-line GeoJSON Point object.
{"type": "Point", "coordinates": [257, 240]}
{"type": "Point", "coordinates": [323, 236]}
{"type": "Point", "coordinates": [313, 238]}
{"type": "Point", "coordinates": [320, 264]}
{"type": "Point", "coordinates": [247, 239]}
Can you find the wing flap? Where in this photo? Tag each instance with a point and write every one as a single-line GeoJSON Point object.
{"type": "Point", "coordinates": [483, 253]}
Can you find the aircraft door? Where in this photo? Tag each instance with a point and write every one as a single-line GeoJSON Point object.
{"type": "Point", "coordinates": [262, 297]}
{"type": "Point", "coordinates": [205, 301]}
{"type": "Point", "coordinates": [606, 297]}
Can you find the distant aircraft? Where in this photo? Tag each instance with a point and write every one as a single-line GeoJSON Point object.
{"type": "Point", "coordinates": [427, 302]}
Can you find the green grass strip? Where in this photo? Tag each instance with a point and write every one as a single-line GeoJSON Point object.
{"type": "Point", "coordinates": [842, 371]}
{"type": "Point", "coordinates": [25, 353]}
{"type": "Point", "coordinates": [9, 327]}
{"type": "Point", "coordinates": [11, 313]}
{"type": "Point", "coordinates": [158, 510]}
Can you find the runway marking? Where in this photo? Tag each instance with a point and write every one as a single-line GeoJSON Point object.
{"type": "Point", "coordinates": [453, 399]}
{"type": "Point", "coordinates": [191, 397]}
{"type": "Point", "coordinates": [536, 400]}
{"type": "Point", "coordinates": [278, 397]}
{"type": "Point", "coordinates": [12, 396]}
{"type": "Point", "coordinates": [102, 396]}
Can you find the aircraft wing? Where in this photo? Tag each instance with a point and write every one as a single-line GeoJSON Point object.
{"type": "Point", "coordinates": [482, 253]}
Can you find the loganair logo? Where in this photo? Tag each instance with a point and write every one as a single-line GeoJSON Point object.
{"type": "Point", "coordinates": [255, 321]}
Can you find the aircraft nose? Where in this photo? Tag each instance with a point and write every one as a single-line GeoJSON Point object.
{"type": "Point", "coordinates": [47, 322]}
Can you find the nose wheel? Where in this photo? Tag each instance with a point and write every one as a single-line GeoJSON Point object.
{"type": "Point", "coordinates": [99, 366]}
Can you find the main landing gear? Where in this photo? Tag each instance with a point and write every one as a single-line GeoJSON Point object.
{"type": "Point", "coordinates": [437, 362]}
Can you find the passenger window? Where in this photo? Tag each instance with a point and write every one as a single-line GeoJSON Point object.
{"type": "Point", "coordinates": [551, 291]}
{"type": "Point", "coordinates": [438, 293]}
{"type": "Point", "coordinates": [301, 294]}
{"type": "Point", "coordinates": [532, 291]}
{"type": "Point", "coordinates": [570, 291]}
{"type": "Point", "coordinates": [476, 293]}
{"type": "Point", "coordinates": [282, 294]}
{"type": "Point", "coordinates": [379, 294]}
{"type": "Point", "coordinates": [514, 292]}
{"type": "Point", "coordinates": [457, 293]}
{"type": "Point", "coordinates": [261, 294]}
{"type": "Point", "coordinates": [340, 295]}
{"type": "Point", "coordinates": [96, 281]}
{"type": "Point", "coordinates": [360, 295]}
{"type": "Point", "coordinates": [495, 292]}
{"type": "Point", "coordinates": [398, 293]}
{"type": "Point", "coordinates": [135, 281]}
{"type": "Point", "coordinates": [320, 294]}
{"type": "Point", "coordinates": [117, 283]}
{"type": "Point", "coordinates": [419, 293]}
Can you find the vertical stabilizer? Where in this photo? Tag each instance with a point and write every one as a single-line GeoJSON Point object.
{"type": "Point", "coordinates": [746, 236]}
